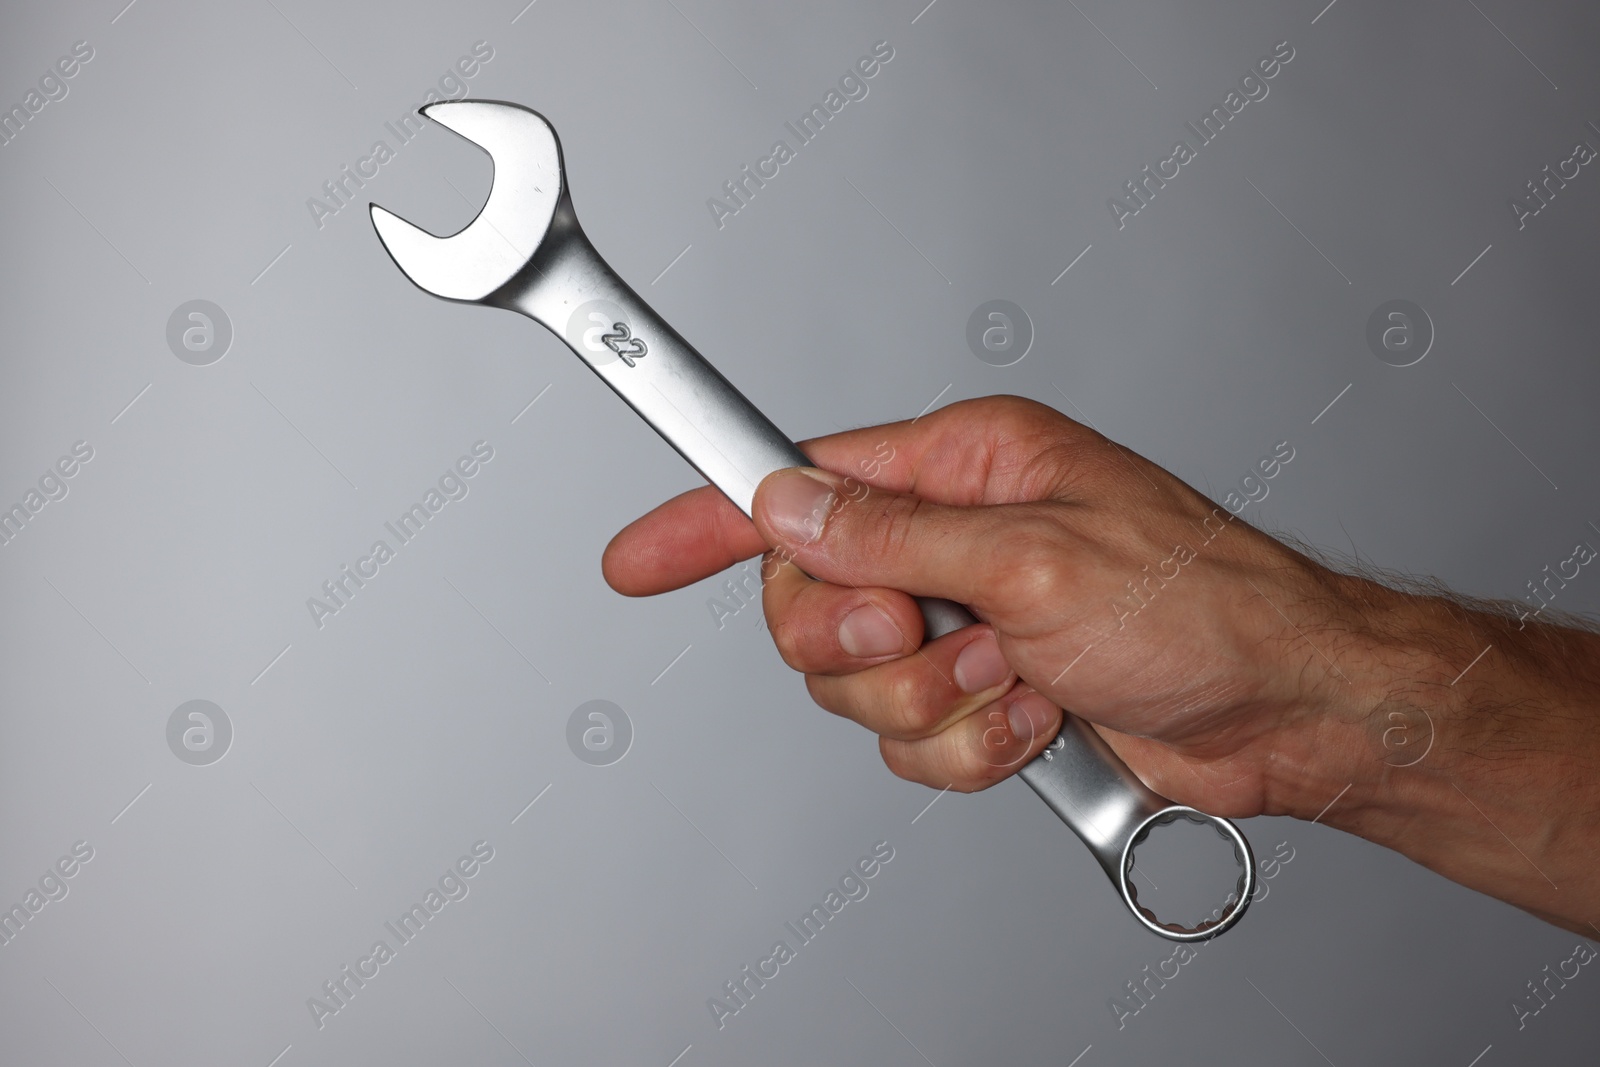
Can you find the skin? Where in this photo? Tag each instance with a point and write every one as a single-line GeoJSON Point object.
{"type": "Point", "coordinates": [1235, 674]}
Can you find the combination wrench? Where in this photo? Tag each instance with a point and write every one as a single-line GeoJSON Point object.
{"type": "Point", "coordinates": [525, 252]}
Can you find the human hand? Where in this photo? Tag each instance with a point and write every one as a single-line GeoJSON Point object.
{"type": "Point", "coordinates": [1105, 585]}
{"type": "Point", "coordinates": [1229, 671]}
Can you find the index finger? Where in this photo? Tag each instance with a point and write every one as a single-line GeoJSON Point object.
{"type": "Point", "coordinates": [971, 452]}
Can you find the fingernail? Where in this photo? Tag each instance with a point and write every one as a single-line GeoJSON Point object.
{"type": "Point", "coordinates": [980, 665]}
{"type": "Point", "coordinates": [797, 504]}
{"type": "Point", "coordinates": [867, 633]}
{"type": "Point", "coordinates": [1031, 715]}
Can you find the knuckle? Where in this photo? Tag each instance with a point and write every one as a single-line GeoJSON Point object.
{"type": "Point", "coordinates": [1020, 416]}
{"type": "Point", "coordinates": [1031, 568]}
{"type": "Point", "coordinates": [907, 710]}
{"type": "Point", "coordinates": [788, 636]}
{"type": "Point", "coordinates": [1003, 407]}
{"type": "Point", "coordinates": [975, 765]}
{"type": "Point", "coordinates": [815, 690]}
{"type": "Point", "coordinates": [897, 757]}
{"type": "Point", "coordinates": [888, 529]}
{"type": "Point", "coordinates": [977, 776]}
{"type": "Point", "coordinates": [933, 764]}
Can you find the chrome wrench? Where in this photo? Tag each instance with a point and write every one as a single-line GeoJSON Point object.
{"type": "Point", "coordinates": [525, 252]}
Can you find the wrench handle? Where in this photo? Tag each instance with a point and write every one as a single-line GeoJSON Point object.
{"type": "Point", "coordinates": [1110, 809]}
{"type": "Point", "coordinates": [571, 290]}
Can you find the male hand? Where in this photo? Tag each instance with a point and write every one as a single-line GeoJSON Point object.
{"type": "Point", "coordinates": [1232, 673]}
{"type": "Point", "coordinates": [1196, 644]}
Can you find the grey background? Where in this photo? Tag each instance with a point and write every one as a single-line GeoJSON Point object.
{"type": "Point", "coordinates": [370, 754]}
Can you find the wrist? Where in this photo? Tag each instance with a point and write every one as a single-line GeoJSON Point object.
{"type": "Point", "coordinates": [1467, 740]}
{"type": "Point", "coordinates": [1370, 730]}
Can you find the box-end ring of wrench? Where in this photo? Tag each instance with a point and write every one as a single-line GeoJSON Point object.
{"type": "Point", "coordinates": [525, 252]}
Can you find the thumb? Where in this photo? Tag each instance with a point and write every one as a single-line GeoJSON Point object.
{"type": "Point", "coordinates": [843, 531]}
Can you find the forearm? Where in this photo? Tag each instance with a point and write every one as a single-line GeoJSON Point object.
{"type": "Point", "coordinates": [1466, 740]}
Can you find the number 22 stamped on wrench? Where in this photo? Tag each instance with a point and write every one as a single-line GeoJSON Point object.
{"type": "Point", "coordinates": [525, 252]}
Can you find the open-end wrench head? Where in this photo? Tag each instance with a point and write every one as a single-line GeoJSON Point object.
{"type": "Point", "coordinates": [492, 248]}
